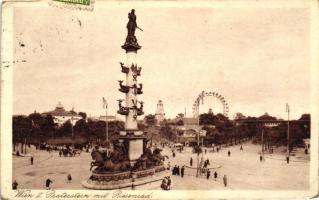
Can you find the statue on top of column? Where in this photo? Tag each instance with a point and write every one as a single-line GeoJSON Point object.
{"type": "Point", "coordinates": [131, 26]}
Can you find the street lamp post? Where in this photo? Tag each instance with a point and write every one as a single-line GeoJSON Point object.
{"type": "Point", "coordinates": [288, 136]}
{"type": "Point", "coordinates": [106, 126]}
{"type": "Point", "coordinates": [72, 122]}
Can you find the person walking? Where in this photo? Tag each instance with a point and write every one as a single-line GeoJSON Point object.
{"type": "Point", "coordinates": [174, 170]}
{"type": "Point", "coordinates": [182, 171]}
{"type": "Point", "coordinates": [287, 159]}
{"type": "Point", "coordinates": [225, 180]}
{"type": "Point", "coordinates": [168, 165]}
{"type": "Point", "coordinates": [60, 153]}
{"type": "Point", "coordinates": [178, 171]}
{"type": "Point", "coordinates": [169, 182]}
{"type": "Point", "coordinates": [15, 185]}
{"type": "Point", "coordinates": [47, 183]}
{"type": "Point", "coordinates": [208, 174]}
{"type": "Point", "coordinates": [31, 160]}
{"type": "Point", "coordinates": [69, 177]}
{"type": "Point", "coordinates": [191, 162]}
{"type": "Point", "coordinates": [261, 158]}
{"type": "Point", "coordinates": [215, 175]}
{"type": "Point", "coordinates": [241, 147]}
{"type": "Point", "coordinates": [228, 153]}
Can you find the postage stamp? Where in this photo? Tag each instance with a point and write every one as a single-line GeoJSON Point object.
{"type": "Point", "coordinates": [81, 2]}
{"type": "Point", "coordinates": [159, 99]}
{"type": "Point", "coordinates": [85, 5]}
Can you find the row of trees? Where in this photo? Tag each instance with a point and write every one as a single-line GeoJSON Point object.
{"type": "Point", "coordinates": [36, 128]}
{"type": "Point", "coordinates": [222, 130]}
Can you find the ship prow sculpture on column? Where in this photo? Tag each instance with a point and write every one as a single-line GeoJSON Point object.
{"type": "Point", "coordinates": [130, 163]}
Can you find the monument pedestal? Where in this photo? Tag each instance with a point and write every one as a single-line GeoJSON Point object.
{"type": "Point", "coordinates": [113, 181]}
{"type": "Point", "coordinates": [135, 147]}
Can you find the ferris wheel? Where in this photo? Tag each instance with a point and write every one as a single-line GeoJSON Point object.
{"type": "Point", "coordinates": [200, 99]}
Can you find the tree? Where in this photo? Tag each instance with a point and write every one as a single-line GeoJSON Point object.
{"type": "Point", "coordinates": [180, 115]}
{"type": "Point", "coordinates": [167, 132]}
{"type": "Point", "coordinates": [21, 129]}
{"type": "Point", "coordinates": [83, 115]}
{"type": "Point", "coordinates": [266, 116]}
{"type": "Point", "coordinates": [239, 116]}
{"type": "Point", "coordinates": [150, 120]}
{"type": "Point", "coordinates": [305, 117]}
{"type": "Point", "coordinates": [65, 129]}
{"type": "Point", "coordinates": [180, 123]}
{"type": "Point", "coordinates": [81, 127]}
{"type": "Point", "coordinates": [207, 119]}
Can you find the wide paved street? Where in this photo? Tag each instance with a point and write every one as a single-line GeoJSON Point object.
{"type": "Point", "coordinates": [243, 170]}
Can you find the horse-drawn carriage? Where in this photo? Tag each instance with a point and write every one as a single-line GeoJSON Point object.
{"type": "Point", "coordinates": [71, 152]}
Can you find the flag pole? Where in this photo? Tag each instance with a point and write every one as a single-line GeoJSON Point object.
{"type": "Point", "coordinates": [107, 128]}
{"type": "Point", "coordinates": [288, 134]}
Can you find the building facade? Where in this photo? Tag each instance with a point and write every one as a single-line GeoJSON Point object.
{"type": "Point", "coordinates": [60, 115]}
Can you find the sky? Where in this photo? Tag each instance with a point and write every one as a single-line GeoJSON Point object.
{"type": "Point", "coordinates": [258, 59]}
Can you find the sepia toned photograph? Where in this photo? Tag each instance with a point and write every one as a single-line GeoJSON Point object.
{"type": "Point", "coordinates": [171, 97]}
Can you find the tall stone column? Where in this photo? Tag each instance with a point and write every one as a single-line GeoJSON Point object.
{"type": "Point", "coordinates": [130, 122]}
{"type": "Point", "coordinates": [133, 107]}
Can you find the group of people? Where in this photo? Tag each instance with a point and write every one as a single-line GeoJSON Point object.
{"type": "Point", "coordinates": [178, 171]}
{"type": "Point", "coordinates": [166, 183]}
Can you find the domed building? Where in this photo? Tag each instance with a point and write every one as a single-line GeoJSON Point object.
{"type": "Point", "coordinates": [60, 115]}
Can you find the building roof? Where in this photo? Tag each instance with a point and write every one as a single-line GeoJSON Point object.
{"type": "Point", "coordinates": [108, 118]}
{"type": "Point", "coordinates": [187, 120]}
{"type": "Point", "coordinates": [60, 111]}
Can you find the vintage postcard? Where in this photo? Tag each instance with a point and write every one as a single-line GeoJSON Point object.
{"type": "Point", "coordinates": [159, 99]}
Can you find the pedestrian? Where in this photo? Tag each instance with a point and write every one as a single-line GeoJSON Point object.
{"type": "Point", "coordinates": [168, 165]}
{"type": "Point", "coordinates": [60, 153]}
{"type": "Point", "coordinates": [225, 180]}
{"type": "Point", "coordinates": [31, 159]}
{"type": "Point", "coordinates": [228, 153]}
{"type": "Point", "coordinates": [287, 159]}
{"type": "Point", "coordinates": [15, 185]}
{"type": "Point", "coordinates": [178, 171]}
{"type": "Point", "coordinates": [173, 154]}
{"type": "Point", "coordinates": [208, 174]}
{"type": "Point", "coordinates": [241, 147]}
{"type": "Point", "coordinates": [215, 175]}
{"type": "Point", "coordinates": [169, 182]}
{"type": "Point", "coordinates": [191, 162]}
{"type": "Point", "coordinates": [217, 149]}
{"type": "Point", "coordinates": [69, 178]}
{"type": "Point", "coordinates": [182, 171]}
{"type": "Point", "coordinates": [205, 151]}
{"type": "Point", "coordinates": [261, 158]}
{"type": "Point", "coordinates": [174, 170]}
{"type": "Point", "coordinates": [207, 161]}
{"type": "Point", "coordinates": [47, 183]}
{"type": "Point", "coordinates": [164, 184]}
